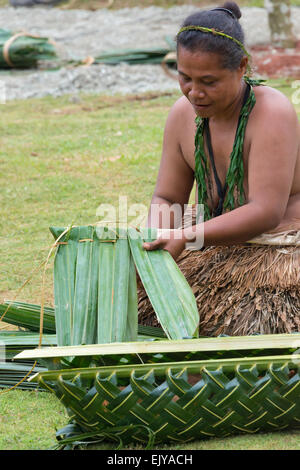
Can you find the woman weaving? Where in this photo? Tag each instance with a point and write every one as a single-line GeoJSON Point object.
{"type": "Point", "coordinates": [243, 149]}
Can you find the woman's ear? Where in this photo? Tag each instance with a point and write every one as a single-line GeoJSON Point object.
{"type": "Point", "coordinates": [243, 65]}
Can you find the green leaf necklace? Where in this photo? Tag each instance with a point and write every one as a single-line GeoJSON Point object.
{"type": "Point", "coordinates": [232, 195]}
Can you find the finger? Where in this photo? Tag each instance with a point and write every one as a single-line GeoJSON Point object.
{"type": "Point", "coordinates": [152, 245]}
{"type": "Point", "coordinates": [149, 246]}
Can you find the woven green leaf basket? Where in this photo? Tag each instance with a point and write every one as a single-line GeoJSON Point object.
{"type": "Point", "coordinates": [149, 389]}
{"type": "Point", "coordinates": [176, 391]}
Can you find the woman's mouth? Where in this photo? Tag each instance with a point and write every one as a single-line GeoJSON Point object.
{"type": "Point", "coordinates": [199, 109]}
{"type": "Point", "coordinates": [200, 106]}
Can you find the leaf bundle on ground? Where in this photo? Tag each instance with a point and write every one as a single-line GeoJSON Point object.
{"type": "Point", "coordinates": [23, 50]}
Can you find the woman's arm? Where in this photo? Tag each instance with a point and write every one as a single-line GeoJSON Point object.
{"type": "Point", "coordinates": [272, 160]}
{"type": "Point", "coordinates": [175, 178]}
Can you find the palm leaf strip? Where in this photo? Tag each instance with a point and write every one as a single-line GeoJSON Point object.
{"type": "Point", "coordinates": [26, 315]}
{"type": "Point", "coordinates": [113, 287]}
{"type": "Point", "coordinates": [256, 345]}
{"type": "Point", "coordinates": [91, 279]}
{"type": "Point", "coordinates": [168, 291]}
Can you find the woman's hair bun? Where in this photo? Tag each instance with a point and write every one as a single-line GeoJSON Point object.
{"type": "Point", "coordinates": [232, 6]}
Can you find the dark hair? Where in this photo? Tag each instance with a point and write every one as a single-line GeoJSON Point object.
{"type": "Point", "coordinates": [225, 19]}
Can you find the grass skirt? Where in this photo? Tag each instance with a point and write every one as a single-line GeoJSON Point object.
{"type": "Point", "coordinates": [246, 289]}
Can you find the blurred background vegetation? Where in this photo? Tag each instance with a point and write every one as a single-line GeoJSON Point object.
{"type": "Point", "coordinates": [118, 4]}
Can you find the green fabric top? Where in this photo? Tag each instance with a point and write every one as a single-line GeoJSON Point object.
{"type": "Point", "coordinates": [235, 195]}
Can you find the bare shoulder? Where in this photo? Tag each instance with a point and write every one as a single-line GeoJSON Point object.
{"type": "Point", "coordinates": [182, 104]}
{"type": "Point", "coordinates": [272, 104]}
{"type": "Point", "coordinates": [181, 111]}
{"type": "Point", "coordinates": [181, 128]}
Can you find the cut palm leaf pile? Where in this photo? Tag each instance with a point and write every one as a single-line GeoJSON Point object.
{"type": "Point", "coordinates": [23, 50]}
{"type": "Point", "coordinates": [156, 55]}
{"type": "Point", "coordinates": [27, 316]}
{"type": "Point", "coordinates": [13, 342]}
{"type": "Point", "coordinates": [92, 285]}
{"type": "Point", "coordinates": [12, 374]}
{"type": "Point", "coordinates": [17, 341]}
{"type": "Point", "coordinates": [135, 56]}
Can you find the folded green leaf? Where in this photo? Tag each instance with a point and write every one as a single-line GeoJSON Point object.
{"type": "Point", "coordinates": [170, 294]}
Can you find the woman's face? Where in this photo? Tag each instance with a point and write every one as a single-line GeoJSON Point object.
{"type": "Point", "coordinates": [211, 89]}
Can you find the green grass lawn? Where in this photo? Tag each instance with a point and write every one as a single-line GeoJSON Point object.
{"type": "Point", "coordinates": [29, 420]}
{"type": "Point", "coordinates": [60, 160]}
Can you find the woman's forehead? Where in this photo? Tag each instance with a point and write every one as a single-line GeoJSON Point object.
{"type": "Point", "coordinates": [199, 61]}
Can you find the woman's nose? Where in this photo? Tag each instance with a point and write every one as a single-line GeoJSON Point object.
{"type": "Point", "coordinates": [196, 93]}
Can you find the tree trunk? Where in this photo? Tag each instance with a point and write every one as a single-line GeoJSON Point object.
{"type": "Point", "coordinates": [279, 17]}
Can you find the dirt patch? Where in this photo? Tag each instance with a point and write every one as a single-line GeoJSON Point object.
{"type": "Point", "coordinates": [276, 62]}
{"type": "Point", "coordinates": [4, 295]}
{"type": "Point", "coordinates": [105, 102]}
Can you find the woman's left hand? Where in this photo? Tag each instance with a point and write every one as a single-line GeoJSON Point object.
{"type": "Point", "coordinates": [173, 242]}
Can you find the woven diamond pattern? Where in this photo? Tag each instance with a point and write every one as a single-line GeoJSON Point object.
{"type": "Point", "coordinates": [180, 407]}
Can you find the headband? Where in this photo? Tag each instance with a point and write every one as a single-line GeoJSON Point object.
{"type": "Point", "coordinates": [203, 29]}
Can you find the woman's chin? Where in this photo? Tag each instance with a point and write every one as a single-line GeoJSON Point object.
{"type": "Point", "coordinates": [202, 111]}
